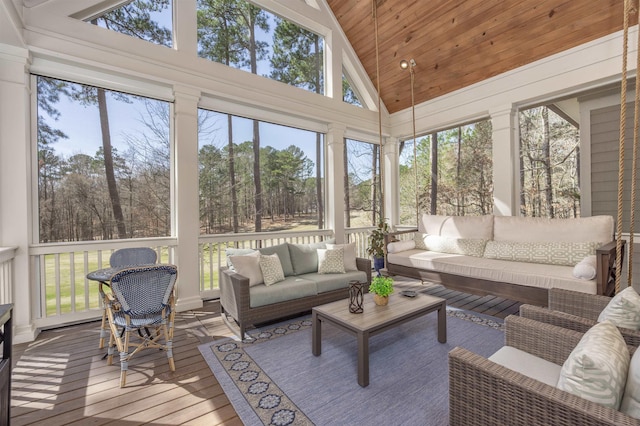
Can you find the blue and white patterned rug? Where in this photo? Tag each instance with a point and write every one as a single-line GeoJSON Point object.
{"type": "Point", "coordinates": [275, 380]}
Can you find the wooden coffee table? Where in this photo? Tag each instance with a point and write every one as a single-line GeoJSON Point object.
{"type": "Point", "coordinates": [375, 319]}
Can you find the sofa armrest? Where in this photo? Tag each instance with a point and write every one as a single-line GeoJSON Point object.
{"type": "Point", "coordinates": [542, 340]}
{"type": "Point", "coordinates": [393, 236]}
{"type": "Point", "coordinates": [606, 267]}
{"type": "Point", "coordinates": [364, 265]}
{"type": "Point", "coordinates": [484, 393]}
{"type": "Point", "coordinates": [577, 303]}
{"type": "Point", "coordinates": [234, 292]}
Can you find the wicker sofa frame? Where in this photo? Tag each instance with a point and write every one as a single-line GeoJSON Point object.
{"type": "Point", "coordinates": [235, 300]}
{"type": "Point", "coordinates": [484, 393]}
{"type": "Point", "coordinates": [605, 277]}
{"type": "Point", "coordinates": [575, 311]}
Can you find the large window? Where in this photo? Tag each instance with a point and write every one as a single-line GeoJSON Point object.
{"type": "Point", "coordinates": [449, 173]}
{"type": "Point", "coordinates": [549, 167]}
{"type": "Point", "coordinates": [103, 163]}
{"type": "Point", "coordinates": [258, 176]}
{"type": "Point", "coordinates": [149, 20]}
{"type": "Point", "coordinates": [363, 199]}
{"type": "Point", "coordinates": [241, 35]}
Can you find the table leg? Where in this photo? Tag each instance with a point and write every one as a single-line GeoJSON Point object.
{"type": "Point", "coordinates": [316, 334]}
{"type": "Point", "coordinates": [363, 359]}
{"type": "Point", "coordinates": [442, 323]}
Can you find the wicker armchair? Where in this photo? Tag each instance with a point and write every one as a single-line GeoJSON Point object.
{"type": "Point", "coordinates": [575, 311]}
{"type": "Point", "coordinates": [484, 393]}
{"type": "Point", "coordinates": [140, 307]}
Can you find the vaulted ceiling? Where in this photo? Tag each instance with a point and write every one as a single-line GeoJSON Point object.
{"type": "Point", "coordinates": [456, 43]}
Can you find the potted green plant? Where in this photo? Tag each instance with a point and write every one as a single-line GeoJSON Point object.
{"type": "Point", "coordinates": [376, 245]}
{"type": "Point", "coordinates": [381, 287]}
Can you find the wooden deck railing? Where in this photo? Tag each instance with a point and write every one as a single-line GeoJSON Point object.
{"type": "Point", "coordinates": [63, 294]}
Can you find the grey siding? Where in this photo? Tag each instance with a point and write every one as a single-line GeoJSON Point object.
{"type": "Point", "coordinates": [605, 136]}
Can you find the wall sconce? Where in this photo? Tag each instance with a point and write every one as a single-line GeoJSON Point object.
{"type": "Point", "coordinates": [411, 64]}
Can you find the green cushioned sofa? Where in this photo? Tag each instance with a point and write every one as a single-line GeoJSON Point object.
{"type": "Point", "coordinates": [302, 288]}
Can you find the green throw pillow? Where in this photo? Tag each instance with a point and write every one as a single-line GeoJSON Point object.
{"type": "Point", "coordinates": [304, 257]}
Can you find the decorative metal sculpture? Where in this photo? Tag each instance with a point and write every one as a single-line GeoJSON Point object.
{"type": "Point", "coordinates": [356, 297]}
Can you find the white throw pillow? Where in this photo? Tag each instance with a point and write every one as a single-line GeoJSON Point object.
{"type": "Point", "coordinates": [586, 268]}
{"type": "Point", "coordinates": [399, 246]}
{"type": "Point", "coordinates": [631, 399]}
{"type": "Point", "coordinates": [271, 268]}
{"type": "Point", "coordinates": [349, 255]}
{"type": "Point", "coordinates": [230, 252]}
{"type": "Point", "coordinates": [623, 309]}
{"type": "Point", "coordinates": [331, 261]}
{"type": "Point", "coordinates": [249, 267]}
{"type": "Point", "coordinates": [597, 367]}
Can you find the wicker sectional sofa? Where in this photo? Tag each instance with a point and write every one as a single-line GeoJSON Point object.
{"type": "Point", "coordinates": [302, 289]}
{"type": "Point", "coordinates": [517, 258]}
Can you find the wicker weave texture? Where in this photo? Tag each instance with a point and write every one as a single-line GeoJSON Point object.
{"type": "Point", "coordinates": [484, 393]}
{"type": "Point", "coordinates": [235, 300]}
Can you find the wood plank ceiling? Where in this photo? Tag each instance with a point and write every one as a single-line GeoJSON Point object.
{"type": "Point", "coordinates": [457, 43]}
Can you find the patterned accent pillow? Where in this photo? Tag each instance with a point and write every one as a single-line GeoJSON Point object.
{"type": "Point", "coordinates": [249, 267]}
{"type": "Point", "coordinates": [271, 269]}
{"type": "Point", "coordinates": [552, 253]}
{"type": "Point", "coordinates": [623, 309]}
{"type": "Point", "coordinates": [350, 263]}
{"type": "Point", "coordinates": [597, 367]}
{"type": "Point", "coordinates": [631, 400]}
{"type": "Point", "coordinates": [331, 261]}
{"type": "Point", "coordinates": [419, 240]}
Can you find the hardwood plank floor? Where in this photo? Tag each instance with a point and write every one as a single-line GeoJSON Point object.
{"type": "Point", "coordinates": [63, 379]}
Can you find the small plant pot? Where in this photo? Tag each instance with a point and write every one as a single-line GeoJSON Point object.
{"type": "Point", "coordinates": [380, 300]}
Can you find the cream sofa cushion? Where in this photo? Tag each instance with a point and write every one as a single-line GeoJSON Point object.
{"type": "Point", "coordinates": [528, 274]}
{"type": "Point", "coordinates": [527, 364]}
{"type": "Point", "coordinates": [536, 229]}
{"type": "Point", "coordinates": [477, 227]}
{"type": "Point", "coordinates": [469, 246]}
